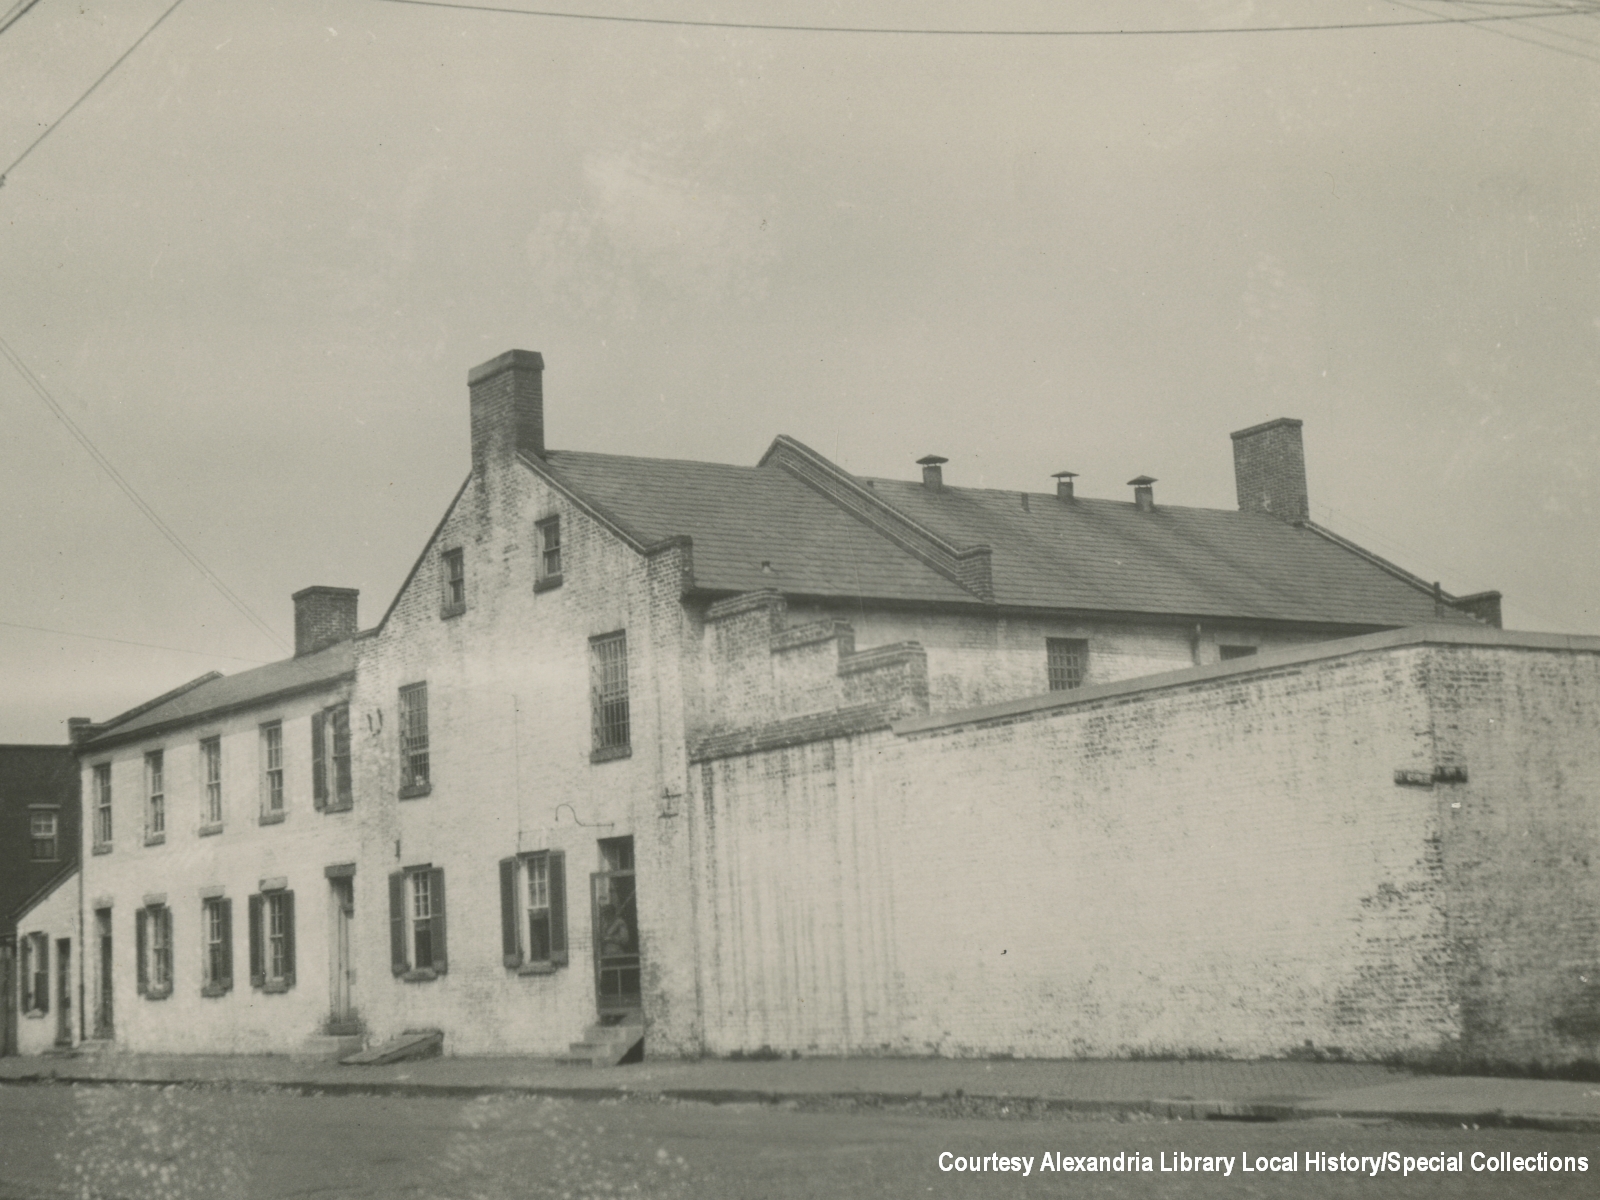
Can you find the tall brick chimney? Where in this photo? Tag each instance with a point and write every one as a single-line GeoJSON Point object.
{"type": "Point", "coordinates": [507, 407]}
{"type": "Point", "coordinates": [1269, 470]}
{"type": "Point", "coordinates": [323, 616]}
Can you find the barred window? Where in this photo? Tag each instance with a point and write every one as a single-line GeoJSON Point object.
{"type": "Point", "coordinates": [102, 804]}
{"type": "Point", "coordinates": [1067, 662]}
{"type": "Point", "coordinates": [211, 774]}
{"type": "Point", "coordinates": [414, 773]}
{"type": "Point", "coordinates": [272, 769]}
{"type": "Point", "coordinates": [155, 816]}
{"type": "Point", "coordinates": [608, 682]}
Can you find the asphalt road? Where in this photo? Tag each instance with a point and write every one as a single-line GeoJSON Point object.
{"type": "Point", "coordinates": [134, 1143]}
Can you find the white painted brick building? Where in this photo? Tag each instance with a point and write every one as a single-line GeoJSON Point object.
{"type": "Point", "coordinates": [774, 756]}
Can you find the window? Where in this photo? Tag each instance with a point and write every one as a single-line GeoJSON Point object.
{"type": "Point", "coordinates": [608, 687]}
{"type": "Point", "coordinates": [211, 777]}
{"type": "Point", "coordinates": [272, 772]}
{"type": "Point", "coordinates": [414, 777]}
{"type": "Point", "coordinates": [548, 533]}
{"type": "Point", "coordinates": [1067, 662]}
{"type": "Point", "coordinates": [330, 758]}
{"type": "Point", "coordinates": [35, 972]}
{"type": "Point", "coordinates": [272, 940]}
{"type": "Point", "coordinates": [155, 810]}
{"type": "Point", "coordinates": [153, 938]}
{"type": "Point", "coordinates": [533, 911]}
{"type": "Point", "coordinates": [416, 923]}
{"type": "Point", "coordinates": [42, 835]}
{"type": "Point", "coordinates": [454, 577]}
{"type": "Point", "coordinates": [216, 929]}
{"type": "Point", "coordinates": [102, 806]}
{"type": "Point", "coordinates": [1236, 652]}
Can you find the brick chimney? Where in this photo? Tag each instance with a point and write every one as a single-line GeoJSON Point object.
{"type": "Point", "coordinates": [1064, 484]}
{"type": "Point", "coordinates": [507, 408]}
{"type": "Point", "coordinates": [1144, 492]}
{"type": "Point", "coordinates": [323, 616]}
{"type": "Point", "coordinates": [1269, 470]}
{"type": "Point", "coordinates": [932, 475]}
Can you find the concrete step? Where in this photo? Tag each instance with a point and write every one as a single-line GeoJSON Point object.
{"type": "Point", "coordinates": [605, 1045]}
{"type": "Point", "coordinates": [329, 1045]}
{"type": "Point", "coordinates": [413, 1043]}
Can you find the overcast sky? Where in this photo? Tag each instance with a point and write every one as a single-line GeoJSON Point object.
{"type": "Point", "coordinates": [255, 266]}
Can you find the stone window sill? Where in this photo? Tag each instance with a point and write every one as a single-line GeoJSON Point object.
{"type": "Point", "coordinates": [157, 993]}
{"type": "Point", "coordinates": [412, 791]}
{"type": "Point", "coordinates": [155, 839]}
{"type": "Point", "coordinates": [210, 830]}
{"type": "Point", "coordinates": [34, 1014]}
{"type": "Point", "coordinates": [101, 848]}
{"type": "Point", "coordinates": [538, 968]}
{"type": "Point", "coordinates": [275, 987]}
{"type": "Point", "coordinates": [420, 975]}
{"type": "Point", "coordinates": [451, 610]}
{"type": "Point", "coordinates": [273, 818]}
{"type": "Point", "coordinates": [338, 806]}
{"type": "Point", "coordinates": [212, 990]}
{"type": "Point", "coordinates": [548, 584]}
{"type": "Point", "coordinates": [610, 754]}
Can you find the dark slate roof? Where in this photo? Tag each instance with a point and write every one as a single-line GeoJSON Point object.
{"type": "Point", "coordinates": [225, 692]}
{"type": "Point", "coordinates": [740, 517]}
{"type": "Point", "coordinates": [1089, 555]}
{"type": "Point", "coordinates": [1106, 554]}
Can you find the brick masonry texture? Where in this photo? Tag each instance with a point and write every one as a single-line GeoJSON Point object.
{"type": "Point", "coordinates": [1224, 867]}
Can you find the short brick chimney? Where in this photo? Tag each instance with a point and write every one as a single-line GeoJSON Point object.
{"type": "Point", "coordinates": [323, 616]}
{"type": "Point", "coordinates": [932, 476]}
{"type": "Point", "coordinates": [1269, 470]}
{"type": "Point", "coordinates": [1144, 492]}
{"type": "Point", "coordinates": [1064, 484]}
{"type": "Point", "coordinates": [507, 408]}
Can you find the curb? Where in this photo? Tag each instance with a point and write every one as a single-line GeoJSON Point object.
{"type": "Point", "coordinates": [1157, 1108]}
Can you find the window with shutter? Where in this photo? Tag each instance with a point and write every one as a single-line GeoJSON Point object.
{"type": "Point", "coordinates": [272, 941]}
{"type": "Point", "coordinates": [153, 938]}
{"type": "Point", "coordinates": [216, 928]}
{"type": "Point", "coordinates": [533, 911]}
{"type": "Point", "coordinates": [417, 944]}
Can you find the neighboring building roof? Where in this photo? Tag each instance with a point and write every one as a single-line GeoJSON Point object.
{"type": "Point", "coordinates": [222, 693]}
{"type": "Point", "coordinates": [43, 893]}
{"type": "Point", "coordinates": [1084, 555]}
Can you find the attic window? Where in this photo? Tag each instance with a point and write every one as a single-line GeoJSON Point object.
{"type": "Point", "coordinates": [548, 574]}
{"type": "Point", "coordinates": [1066, 662]}
{"type": "Point", "coordinates": [453, 577]}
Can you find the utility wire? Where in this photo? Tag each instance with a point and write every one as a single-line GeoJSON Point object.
{"type": "Point", "coordinates": [51, 127]}
{"type": "Point", "coordinates": [128, 490]}
{"type": "Point", "coordinates": [95, 637]}
{"type": "Point", "coordinates": [18, 11]}
{"type": "Point", "coordinates": [1549, 10]}
{"type": "Point", "coordinates": [1517, 37]}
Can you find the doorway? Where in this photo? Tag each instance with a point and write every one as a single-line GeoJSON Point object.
{"type": "Point", "coordinates": [615, 904]}
{"type": "Point", "coordinates": [342, 1017]}
{"type": "Point", "coordinates": [103, 1025]}
{"type": "Point", "coordinates": [63, 991]}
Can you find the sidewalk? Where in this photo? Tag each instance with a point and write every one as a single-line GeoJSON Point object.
{"type": "Point", "coordinates": [1267, 1090]}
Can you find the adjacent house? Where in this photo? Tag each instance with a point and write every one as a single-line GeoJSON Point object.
{"type": "Point", "coordinates": [730, 757]}
{"type": "Point", "coordinates": [38, 849]}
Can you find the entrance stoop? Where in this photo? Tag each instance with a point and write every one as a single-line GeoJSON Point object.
{"type": "Point", "coordinates": [413, 1043]}
{"type": "Point", "coordinates": [330, 1045]}
{"type": "Point", "coordinates": [610, 1045]}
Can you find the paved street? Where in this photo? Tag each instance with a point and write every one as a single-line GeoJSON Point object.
{"type": "Point", "coordinates": [175, 1143]}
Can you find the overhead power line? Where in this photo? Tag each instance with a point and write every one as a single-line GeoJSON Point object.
{"type": "Point", "coordinates": [18, 11]}
{"type": "Point", "coordinates": [95, 637]}
{"type": "Point", "coordinates": [1548, 10]}
{"type": "Point", "coordinates": [1526, 21]}
{"type": "Point", "coordinates": [51, 127]}
{"type": "Point", "coordinates": [139, 501]}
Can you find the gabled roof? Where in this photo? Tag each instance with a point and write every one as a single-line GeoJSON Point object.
{"type": "Point", "coordinates": [215, 694]}
{"type": "Point", "coordinates": [802, 525]}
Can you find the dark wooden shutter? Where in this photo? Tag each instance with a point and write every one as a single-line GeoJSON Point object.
{"type": "Point", "coordinates": [24, 978]}
{"type": "Point", "coordinates": [258, 963]}
{"type": "Point", "coordinates": [225, 915]}
{"type": "Point", "coordinates": [558, 908]}
{"type": "Point", "coordinates": [288, 939]}
{"type": "Point", "coordinates": [41, 979]}
{"type": "Point", "coordinates": [398, 961]}
{"type": "Point", "coordinates": [140, 945]}
{"type": "Point", "coordinates": [510, 943]}
{"type": "Point", "coordinates": [441, 962]}
{"type": "Point", "coordinates": [319, 762]}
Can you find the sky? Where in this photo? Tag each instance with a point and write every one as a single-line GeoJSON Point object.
{"type": "Point", "coordinates": [255, 265]}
